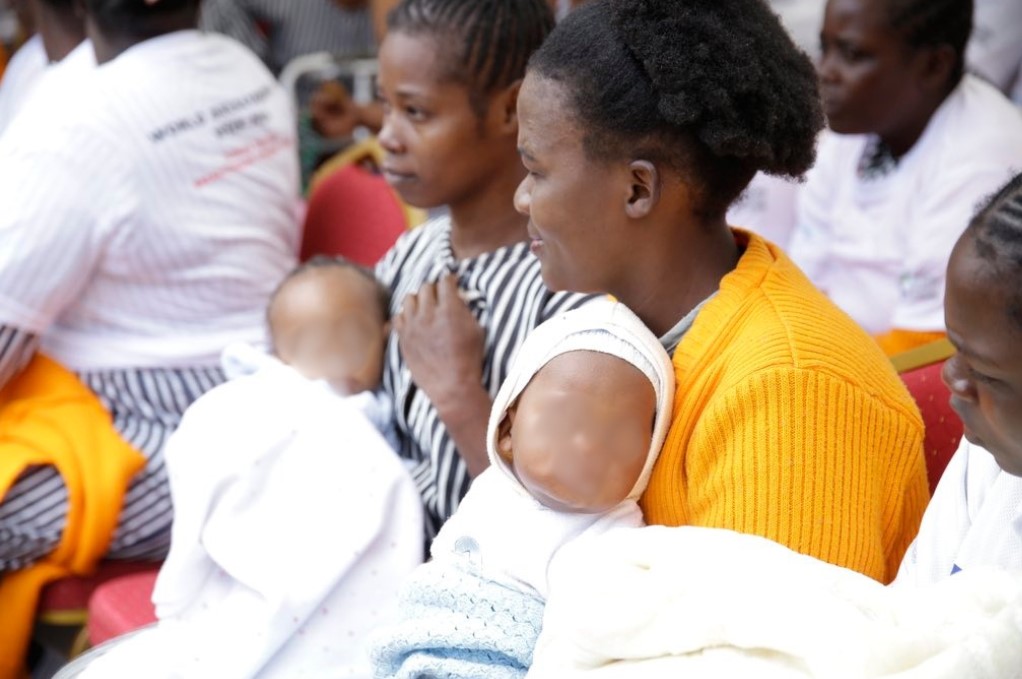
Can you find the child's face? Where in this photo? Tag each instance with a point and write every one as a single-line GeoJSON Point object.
{"type": "Point", "coordinates": [438, 149]}
{"type": "Point", "coordinates": [579, 434]}
{"type": "Point", "coordinates": [327, 324]}
{"type": "Point", "coordinates": [985, 376]}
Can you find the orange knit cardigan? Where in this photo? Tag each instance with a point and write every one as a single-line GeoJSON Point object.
{"type": "Point", "coordinates": [791, 424]}
{"type": "Point", "coordinates": [48, 417]}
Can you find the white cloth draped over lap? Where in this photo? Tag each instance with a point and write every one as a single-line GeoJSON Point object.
{"type": "Point", "coordinates": [295, 523]}
{"type": "Point", "coordinates": [697, 602]}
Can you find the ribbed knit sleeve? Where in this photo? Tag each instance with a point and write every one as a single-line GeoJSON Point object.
{"type": "Point", "coordinates": [790, 424]}
{"type": "Point", "coordinates": [804, 459]}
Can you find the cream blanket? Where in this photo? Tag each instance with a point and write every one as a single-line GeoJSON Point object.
{"type": "Point", "coordinates": [697, 602]}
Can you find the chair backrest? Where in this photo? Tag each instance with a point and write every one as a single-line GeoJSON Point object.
{"type": "Point", "coordinates": [122, 605]}
{"type": "Point", "coordinates": [943, 428]}
{"type": "Point", "coordinates": [352, 212]}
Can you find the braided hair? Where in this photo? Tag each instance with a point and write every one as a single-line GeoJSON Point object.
{"type": "Point", "coordinates": [136, 18]}
{"type": "Point", "coordinates": [997, 235]}
{"type": "Point", "coordinates": [930, 23]}
{"type": "Point", "coordinates": [716, 89]}
{"type": "Point", "coordinates": [489, 41]}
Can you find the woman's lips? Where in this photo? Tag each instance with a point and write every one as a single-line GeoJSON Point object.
{"type": "Point", "coordinates": [535, 244]}
{"type": "Point", "coordinates": [963, 415]}
{"type": "Point", "coordinates": [396, 177]}
{"type": "Point", "coordinates": [831, 104]}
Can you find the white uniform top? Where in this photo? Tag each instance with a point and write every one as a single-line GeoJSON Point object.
{"type": "Point", "coordinates": [974, 519]}
{"type": "Point", "coordinates": [767, 206]}
{"type": "Point", "coordinates": [995, 47]}
{"type": "Point", "coordinates": [879, 247]}
{"type": "Point", "coordinates": [20, 77]}
{"type": "Point", "coordinates": [149, 206]}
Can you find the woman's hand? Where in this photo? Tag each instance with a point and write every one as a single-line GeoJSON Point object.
{"type": "Point", "coordinates": [443, 346]}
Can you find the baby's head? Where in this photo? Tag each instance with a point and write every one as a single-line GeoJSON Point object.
{"type": "Point", "coordinates": [328, 319]}
{"type": "Point", "coordinates": [583, 413]}
{"type": "Point", "coordinates": [983, 314]}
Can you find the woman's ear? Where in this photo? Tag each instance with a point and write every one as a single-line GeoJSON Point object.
{"type": "Point", "coordinates": [504, 108]}
{"type": "Point", "coordinates": [935, 65]}
{"type": "Point", "coordinates": [645, 188]}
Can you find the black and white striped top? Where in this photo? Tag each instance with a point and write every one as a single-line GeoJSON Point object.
{"type": "Point", "coordinates": [506, 294]}
{"type": "Point", "coordinates": [295, 27]}
{"type": "Point", "coordinates": [146, 405]}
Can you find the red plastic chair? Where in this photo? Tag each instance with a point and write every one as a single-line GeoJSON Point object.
{"type": "Point", "coordinates": [920, 370]}
{"type": "Point", "coordinates": [66, 602]}
{"type": "Point", "coordinates": [352, 211]}
{"type": "Point", "coordinates": [120, 606]}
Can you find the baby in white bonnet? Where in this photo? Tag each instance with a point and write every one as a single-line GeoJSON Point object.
{"type": "Point", "coordinates": [573, 435]}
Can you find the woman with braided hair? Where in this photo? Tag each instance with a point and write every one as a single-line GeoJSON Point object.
{"type": "Point", "coordinates": [465, 290]}
{"type": "Point", "coordinates": [975, 517]}
{"type": "Point", "coordinates": [640, 122]}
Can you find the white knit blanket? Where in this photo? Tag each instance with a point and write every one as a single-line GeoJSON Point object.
{"type": "Point", "coordinates": [694, 602]}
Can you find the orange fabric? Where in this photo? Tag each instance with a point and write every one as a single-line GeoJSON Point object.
{"type": "Point", "coordinates": [47, 416]}
{"type": "Point", "coordinates": [791, 424]}
{"type": "Point", "coordinates": [897, 341]}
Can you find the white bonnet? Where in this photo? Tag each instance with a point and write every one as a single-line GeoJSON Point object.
{"type": "Point", "coordinates": [605, 326]}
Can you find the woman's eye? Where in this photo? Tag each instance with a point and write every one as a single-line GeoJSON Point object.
{"type": "Point", "coordinates": [983, 378]}
{"type": "Point", "coordinates": [852, 54]}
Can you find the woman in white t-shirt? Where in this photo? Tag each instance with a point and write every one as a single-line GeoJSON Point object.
{"type": "Point", "coordinates": [149, 207]}
{"type": "Point", "coordinates": [917, 145]}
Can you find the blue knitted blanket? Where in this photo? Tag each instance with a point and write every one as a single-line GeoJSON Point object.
{"type": "Point", "coordinates": [457, 624]}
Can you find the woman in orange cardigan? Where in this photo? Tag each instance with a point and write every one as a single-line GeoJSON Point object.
{"type": "Point", "coordinates": [640, 121]}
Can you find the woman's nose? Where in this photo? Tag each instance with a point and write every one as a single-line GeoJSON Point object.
{"type": "Point", "coordinates": [957, 380]}
{"type": "Point", "coordinates": [523, 196]}
{"type": "Point", "coordinates": [826, 70]}
{"type": "Point", "coordinates": [388, 137]}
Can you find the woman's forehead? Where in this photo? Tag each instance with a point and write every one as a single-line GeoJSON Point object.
{"type": "Point", "coordinates": [978, 299]}
{"type": "Point", "coordinates": [417, 56]}
{"type": "Point", "coordinates": [545, 117]}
